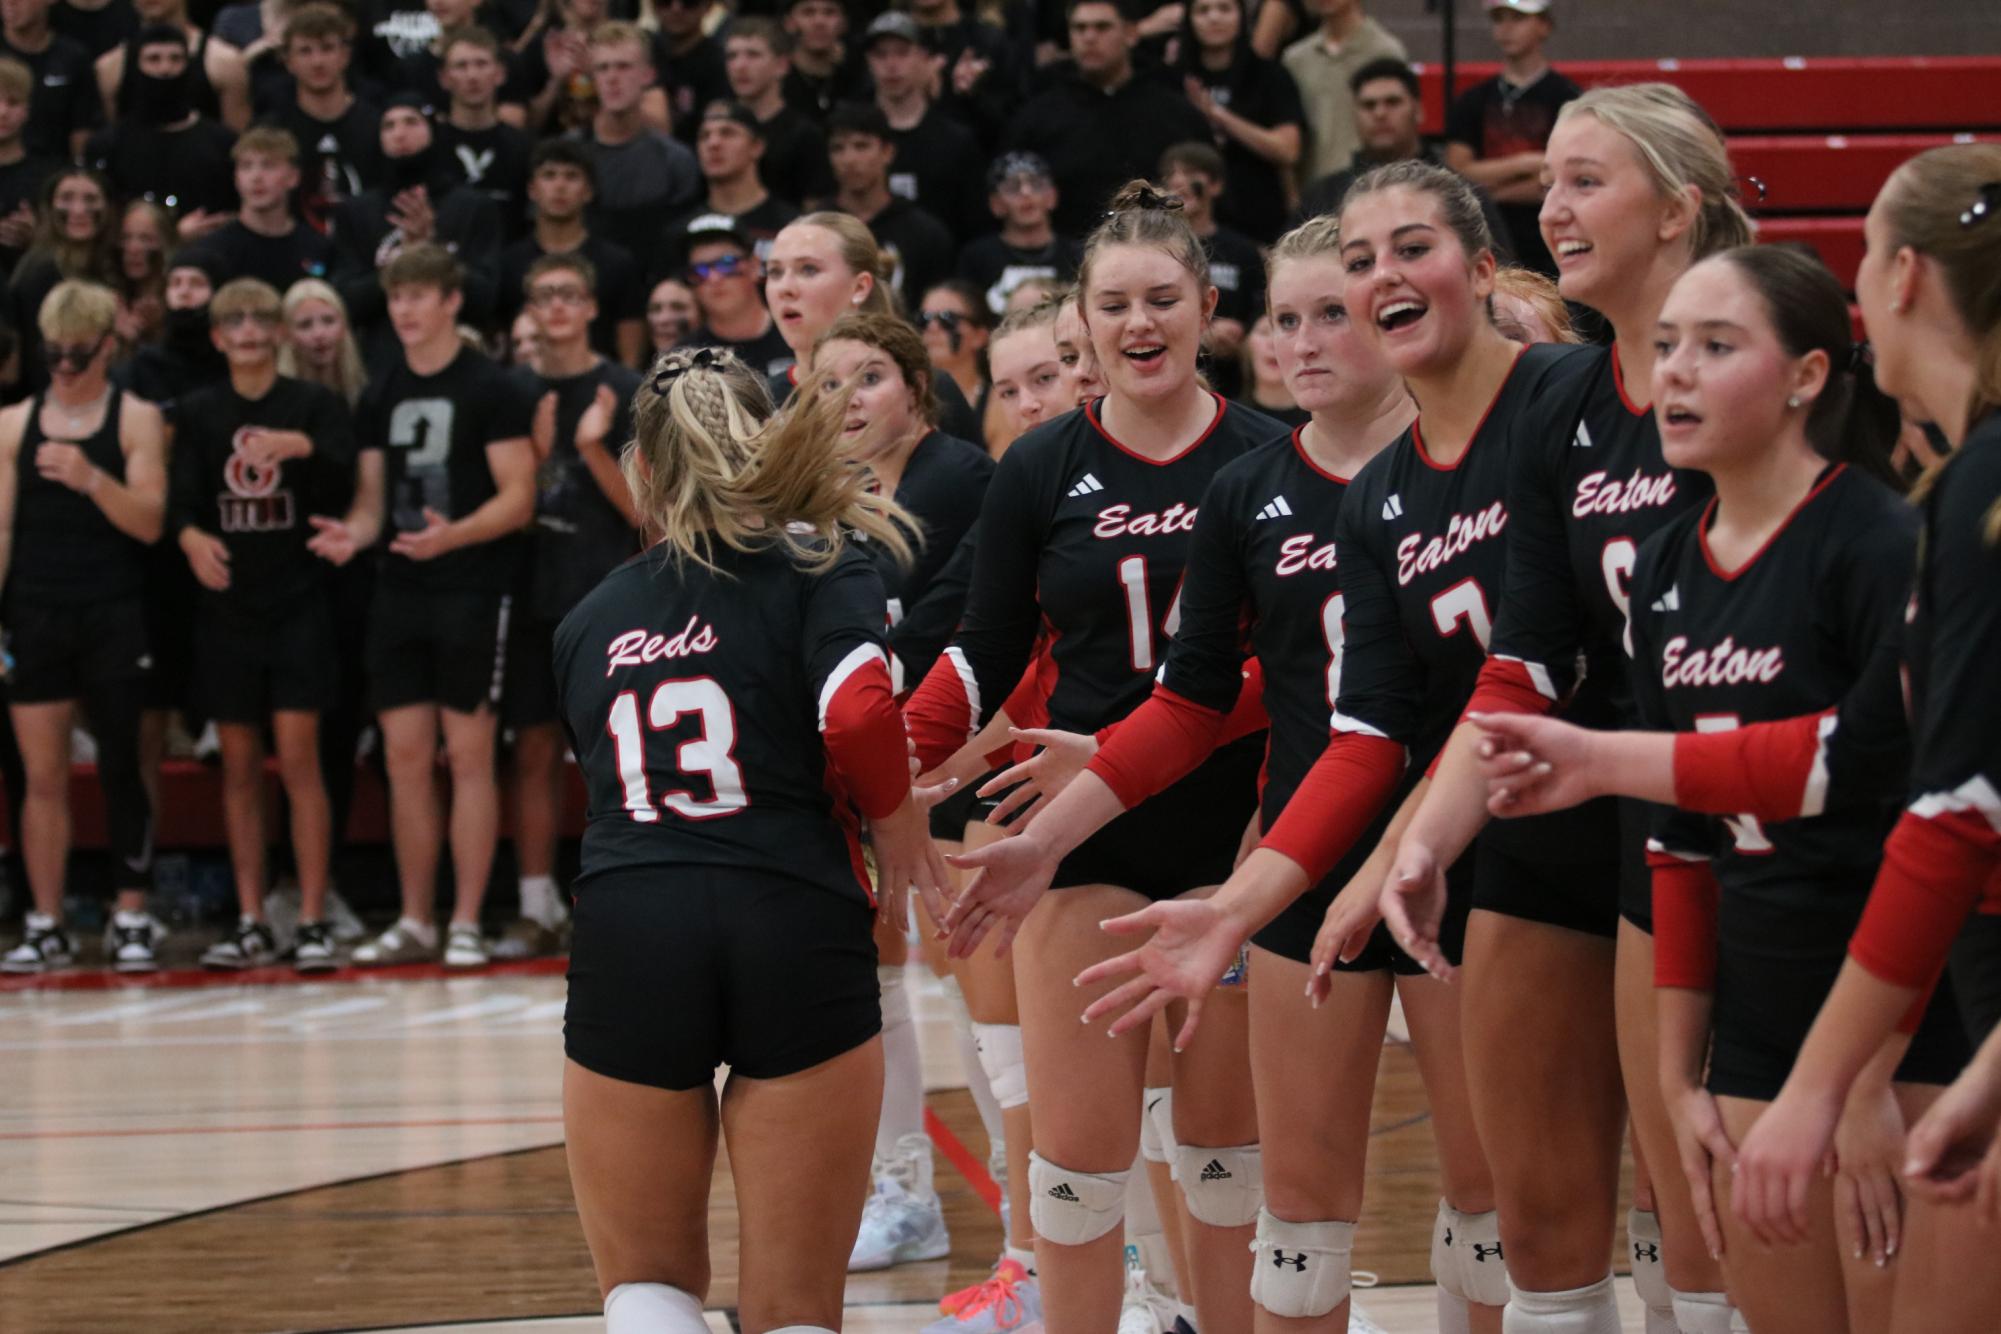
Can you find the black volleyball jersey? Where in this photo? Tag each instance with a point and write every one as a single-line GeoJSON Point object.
{"type": "Point", "coordinates": [434, 431]}
{"type": "Point", "coordinates": [944, 480]}
{"type": "Point", "coordinates": [1081, 532]}
{"type": "Point", "coordinates": [1789, 632]}
{"type": "Point", "coordinates": [699, 702]}
{"type": "Point", "coordinates": [1263, 555]}
{"type": "Point", "coordinates": [260, 513]}
{"type": "Point", "coordinates": [1590, 485]}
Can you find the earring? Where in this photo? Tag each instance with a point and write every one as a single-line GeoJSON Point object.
{"type": "Point", "coordinates": [1793, 402]}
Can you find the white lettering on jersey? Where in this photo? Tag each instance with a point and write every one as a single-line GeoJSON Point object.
{"type": "Point", "coordinates": [1416, 555]}
{"type": "Point", "coordinates": [1298, 553]}
{"type": "Point", "coordinates": [1597, 494]}
{"type": "Point", "coordinates": [253, 504]}
{"type": "Point", "coordinates": [1726, 664]}
{"type": "Point", "coordinates": [635, 648]}
{"type": "Point", "coordinates": [1120, 521]}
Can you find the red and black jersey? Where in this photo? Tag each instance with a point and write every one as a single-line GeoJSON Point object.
{"type": "Point", "coordinates": [1079, 531]}
{"type": "Point", "coordinates": [1789, 632]}
{"type": "Point", "coordinates": [1423, 555]}
{"type": "Point", "coordinates": [727, 718]}
{"type": "Point", "coordinates": [1590, 486]}
{"type": "Point", "coordinates": [943, 482]}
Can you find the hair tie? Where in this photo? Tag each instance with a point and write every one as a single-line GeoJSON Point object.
{"type": "Point", "coordinates": [1756, 184]}
{"type": "Point", "coordinates": [701, 359]}
{"type": "Point", "coordinates": [1982, 206]}
{"type": "Point", "coordinates": [1148, 198]}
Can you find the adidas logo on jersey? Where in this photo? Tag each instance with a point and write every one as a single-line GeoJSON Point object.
{"type": "Point", "coordinates": [1086, 486]}
{"type": "Point", "coordinates": [1277, 509]}
{"type": "Point", "coordinates": [1393, 507]}
{"type": "Point", "coordinates": [1582, 440]}
{"type": "Point", "coordinates": [1061, 1191]}
{"type": "Point", "coordinates": [1215, 1171]}
{"type": "Point", "coordinates": [1670, 600]}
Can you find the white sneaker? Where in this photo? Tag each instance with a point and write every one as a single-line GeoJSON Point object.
{"type": "Point", "coordinates": [464, 946]}
{"type": "Point", "coordinates": [399, 944]}
{"type": "Point", "coordinates": [132, 942]}
{"type": "Point", "coordinates": [1146, 1309]}
{"type": "Point", "coordinates": [903, 1220]}
{"type": "Point", "coordinates": [45, 945]}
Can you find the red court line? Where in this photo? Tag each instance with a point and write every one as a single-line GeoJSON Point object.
{"type": "Point", "coordinates": [956, 1152]}
{"type": "Point", "coordinates": [137, 1132]}
{"type": "Point", "coordinates": [103, 979]}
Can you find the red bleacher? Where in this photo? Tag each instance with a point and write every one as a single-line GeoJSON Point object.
{"type": "Point", "coordinates": [1820, 134]}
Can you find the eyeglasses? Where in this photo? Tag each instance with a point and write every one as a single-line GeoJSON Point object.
{"type": "Point", "coordinates": [1983, 205]}
{"type": "Point", "coordinates": [549, 296]}
{"type": "Point", "coordinates": [727, 266]}
{"type": "Point", "coordinates": [948, 320]}
{"type": "Point", "coordinates": [72, 358]}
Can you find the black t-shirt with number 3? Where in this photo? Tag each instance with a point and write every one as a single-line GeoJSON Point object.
{"type": "Point", "coordinates": [434, 431]}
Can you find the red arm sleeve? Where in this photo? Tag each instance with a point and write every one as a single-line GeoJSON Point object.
{"type": "Point", "coordinates": [1685, 897]}
{"type": "Point", "coordinates": [1249, 714]}
{"type": "Point", "coordinates": [1336, 801]}
{"type": "Point", "coordinates": [1155, 745]}
{"type": "Point", "coordinates": [1764, 770]}
{"type": "Point", "coordinates": [1509, 685]}
{"type": "Point", "coordinates": [863, 733]}
{"type": "Point", "coordinates": [1936, 868]}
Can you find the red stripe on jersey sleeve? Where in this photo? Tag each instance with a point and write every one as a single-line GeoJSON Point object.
{"type": "Point", "coordinates": [1936, 869]}
{"type": "Point", "coordinates": [940, 715]}
{"type": "Point", "coordinates": [1505, 685]}
{"type": "Point", "coordinates": [1155, 745]}
{"type": "Point", "coordinates": [1343, 791]}
{"type": "Point", "coordinates": [1764, 769]}
{"type": "Point", "coordinates": [864, 739]}
{"type": "Point", "coordinates": [1248, 716]}
{"type": "Point", "coordinates": [1685, 897]}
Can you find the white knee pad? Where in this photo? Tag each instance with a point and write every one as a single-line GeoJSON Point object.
{"type": "Point", "coordinates": [1074, 1208]}
{"type": "Point", "coordinates": [1156, 1125]}
{"type": "Point", "coordinates": [1223, 1187]}
{"type": "Point", "coordinates": [1301, 1269]}
{"type": "Point", "coordinates": [1592, 1310]}
{"type": "Point", "coordinates": [1466, 1258]}
{"type": "Point", "coordinates": [652, 1308]}
{"type": "Point", "coordinates": [1704, 1313]}
{"type": "Point", "coordinates": [1001, 1058]}
{"type": "Point", "coordinates": [1643, 1241]}
{"type": "Point", "coordinates": [895, 996]}
{"type": "Point", "coordinates": [802, 1329]}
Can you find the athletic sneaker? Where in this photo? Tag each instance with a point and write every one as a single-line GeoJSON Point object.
{"type": "Point", "coordinates": [314, 952]}
{"type": "Point", "coordinates": [44, 946]}
{"type": "Point", "coordinates": [1006, 1303]}
{"type": "Point", "coordinates": [251, 946]}
{"type": "Point", "coordinates": [903, 1220]}
{"type": "Point", "coordinates": [464, 946]}
{"type": "Point", "coordinates": [526, 938]}
{"type": "Point", "coordinates": [132, 942]}
{"type": "Point", "coordinates": [1146, 1309]}
{"type": "Point", "coordinates": [399, 944]}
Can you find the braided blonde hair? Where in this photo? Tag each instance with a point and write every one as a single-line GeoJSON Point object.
{"type": "Point", "coordinates": [711, 462]}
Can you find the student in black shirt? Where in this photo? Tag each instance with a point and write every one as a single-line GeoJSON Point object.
{"type": "Point", "coordinates": [99, 26]}
{"type": "Point", "coordinates": [730, 149]}
{"type": "Point", "coordinates": [585, 527]}
{"type": "Point", "coordinates": [1495, 131]}
{"type": "Point", "coordinates": [724, 274]}
{"type": "Point", "coordinates": [933, 149]}
{"type": "Point", "coordinates": [1022, 194]}
{"type": "Point", "coordinates": [221, 88]}
{"type": "Point", "coordinates": [824, 69]}
{"type": "Point", "coordinates": [1193, 173]}
{"type": "Point", "coordinates": [644, 174]}
{"type": "Point", "coordinates": [689, 63]}
{"type": "Point", "coordinates": [447, 468]}
{"type": "Point", "coordinates": [266, 241]}
{"type": "Point", "coordinates": [1252, 105]}
{"type": "Point", "coordinates": [22, 173]}
{"type": "Point", "coordinates": [980, 82]}
{"type": "Point", "coordinates": [162, 147]}
{"type": "Point", "coordinates": [185, 358]}
{"type": "Point", "coordinates": [338, 133]}
{"type": "Point", "coordinates": [65, 106]}
{"type": "Point", "coordinates": [76, 235]}
{"type": "Point", "coordinates": [561, 185]}
{"type": "Point", "coordinates": [480, 148]}
{"type": "Point", "coordinates": [756, 56]}
{"type": "Point", "coordinates": [254, 457]}
{"type": "Point", "coordinates": [862, 153]}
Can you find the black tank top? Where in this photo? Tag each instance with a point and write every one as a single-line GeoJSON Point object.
{"type": "Point", "coordinates": [65, 549]}
{"type": "Point", "coordinates": [202, 95]}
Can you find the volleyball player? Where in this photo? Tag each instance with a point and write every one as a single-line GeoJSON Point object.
{"type": "Point", "coordinates": [82, 495]}
{"type": "Point", "coordinates": [254, 456]}
{"type": "Point", "coordinates": [1640, 188]}
{"type": "Point", "coordinates": [711, 687]}
{"type": "Point", "coordinates": [1926, 289]}
{"type": "Point", "coordinates": [585, 526]}
{"type": "Point", "coordinates": [446, 464]}
{"type": "Point", "coordinates": [1086, 524]}
{"type": "Point", "coordinates": [1027, 377]}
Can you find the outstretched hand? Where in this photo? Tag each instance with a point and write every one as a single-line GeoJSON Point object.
{"type": "Point", "coordinates": [1012, 875]}
{"type": "Point", "coordinates": [1534, 765]}
{"type": "Point", "coordinates": [1193, 944]}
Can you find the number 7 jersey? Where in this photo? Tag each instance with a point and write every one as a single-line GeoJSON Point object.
{"type": "Point", "coordinates": [716, 715]}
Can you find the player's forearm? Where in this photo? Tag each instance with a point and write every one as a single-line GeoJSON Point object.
{"type": "Point", "coordinates": [1454, 809]}
{"type": "Point", "coordinates": [1683, 1018]}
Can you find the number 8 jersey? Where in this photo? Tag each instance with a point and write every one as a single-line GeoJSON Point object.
{"type": "Point", "coordinates": [725, 718]}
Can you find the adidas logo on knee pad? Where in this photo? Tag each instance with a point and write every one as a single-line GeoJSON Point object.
{"type": "Point", "coordinates": [1061, 1191]}
{"type": "Point", "coordinates": [1215, 1171]}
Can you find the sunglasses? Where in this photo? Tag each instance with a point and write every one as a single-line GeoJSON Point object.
{"type": "Point", "coordinates": [948, 320]}
{"type": "Point", "coordinates": [1983, 205]}
{"type": "Point", "coordinates": [728, 266]}
{"type": "Point", "coordinates": [72, 358]}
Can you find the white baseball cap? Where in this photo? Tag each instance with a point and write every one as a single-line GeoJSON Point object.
{"type": "Point", "coordinates": [1520, 6]}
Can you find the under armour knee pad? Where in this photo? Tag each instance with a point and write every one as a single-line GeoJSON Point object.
{"type": "Point", "coordinates": [1643, 1241]}
{"type": "Point", "coordinates": [1074, 1208]}
{"type": "Point", "coordinates": [1223, 1187]}
{"type": "Point", "coordinates": [1704, 1313]}
{"type": "Point", "coordinates": [1590, 1310]}
{"type": "Point", "coordinates": [652, 1308]}
{"type": "Point", "coordinates": [1466, 1257]}
{"type": "Point", "coordinates": [1156, 1125]}
{"type": "Point", "coordinates": [1001, 1058]}
{"type": "Point", "coordinates": [1301, 1269]}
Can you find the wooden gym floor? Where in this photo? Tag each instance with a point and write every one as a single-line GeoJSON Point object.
{"type": "Point", "coordinates": [385, 1152]}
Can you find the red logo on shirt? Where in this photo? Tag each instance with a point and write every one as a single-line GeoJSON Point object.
{"type": "Point", "coordinates": [1726, 664]}
{"type": "Point", "coordinates": [1418, 555]}
{"type": "Point", "coordinates": [1119, 520]}
{"type": "Point", "coordinates": [1296, 554]}
{"type": "Point", "coordinates": [635, 648]}
{"type": "Point", "coordinates": [1598, 494]}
